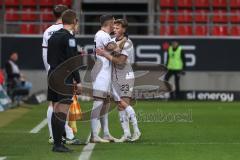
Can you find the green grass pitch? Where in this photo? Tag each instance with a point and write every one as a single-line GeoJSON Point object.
{"type": "Point", "coordinates": [170, 131]}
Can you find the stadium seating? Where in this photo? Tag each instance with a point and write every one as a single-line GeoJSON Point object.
{"type": "Point", "coordinates": [29, 29]}
{"type": "Point", "coordinates": [185, 3]}
{"type": "Point", "coordinates": [220, 16]}
{"type": "Point", "coordinates": [66, 2]}
{"type": "Point", "coordinates": [235, 30]}
{"type": "Point", "coordinates": [235, 16]}
{"type": "Point", "coordinates": [29, 14]}
{"type": "Point", "coordinates": [201, 30]}
{"type": "Point", "coordinates": [44, 26]}
{"type": "Point", "coordinates": [184, 16]}
{"type": "Point", "coordinates": [177, 17]}
{"type": "Point", "coordinates": [31, 3]}
{"type": "Point", "coordinates": [167, 30]}
{"type": "Point", "coordinates": [219, 3]}
{"type": "Point", "coordinates": [185, 30]}
{"type": "Point", "coordinates": [235, 3]}
{"type": "Point", "coordinates": [46, 14]}
{"type": "Point", "coordinates": [11, 14]}
{"type": "Point", "coordinates": [220, 30]}
{"type": "Point", "coordinates": [12, 3]}
{"type": "Point", "coordinates": [49, 3]}
{"type": "Point", "coordinates": [201, 16]}
{"type": "Point", "coordinates": [202, 3]}
{"type": "Point", "coordinates": [167, 3]}
{"type": "Point", "coordinates": [167, 15]}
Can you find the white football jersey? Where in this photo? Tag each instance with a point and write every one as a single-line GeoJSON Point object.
{"type": "Point", "coordinates": [102, 77]}
{"type": "Point", "coordinates": [46, 35]}
{"type": "Point", "coordinates": [128, 50]}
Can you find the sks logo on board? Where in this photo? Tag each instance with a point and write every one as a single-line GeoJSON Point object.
{"type": "Point", "coordinates": [151, 54]}
{"type": "Point", "coordinates": [154, 54]}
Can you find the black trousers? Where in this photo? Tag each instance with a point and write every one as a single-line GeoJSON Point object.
{"type": "Point", "coordinates": [175, 94]}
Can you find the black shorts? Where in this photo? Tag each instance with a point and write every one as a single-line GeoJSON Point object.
{"type": "Point", "coordinates": [58, 97]}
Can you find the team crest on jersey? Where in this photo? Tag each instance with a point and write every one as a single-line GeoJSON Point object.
{"type": "Point", "coordinates": [72, 43]}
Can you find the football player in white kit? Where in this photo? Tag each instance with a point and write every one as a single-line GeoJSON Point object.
{"type": "Point", "coordinates": [57, 11]}
{"type": "Point", "coordinates": [101, 78]}
{"type": "Point", "coordinates": [123, 80]}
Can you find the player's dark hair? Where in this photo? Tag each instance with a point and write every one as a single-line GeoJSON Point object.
{"type": "Point", "coordinates": [58, 10]}
{"type": "Point", "coordinates": [123, 22]}
{"type": "Point", "coordinates": [69, 17]}
{"type": "Point", "coordinates": [104, 18]}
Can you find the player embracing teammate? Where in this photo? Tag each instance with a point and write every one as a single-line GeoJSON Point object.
{"type": "Point", "coordinates": [117, 54]}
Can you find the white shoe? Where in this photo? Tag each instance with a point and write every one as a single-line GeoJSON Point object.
{"type": "Point", "coordinates": [136, 136]}
{"type": "Point", "coordinates": [98, 139]}
{"type": "Point", "coordinates": [110, 138]}
{"type": "Point", "coordinates": [125, 138]}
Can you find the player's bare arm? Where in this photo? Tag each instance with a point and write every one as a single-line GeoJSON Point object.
{"type": "Point", "coordinates": [118, 59]}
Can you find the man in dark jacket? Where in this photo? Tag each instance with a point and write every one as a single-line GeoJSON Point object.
{"type": "Point", "coordinates": [62, 47]}
{"type": "Point", "coordinates": [15, 79]}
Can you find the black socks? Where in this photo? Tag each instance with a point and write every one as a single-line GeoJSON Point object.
{"type": "Point", "coordinates": [58, 125]}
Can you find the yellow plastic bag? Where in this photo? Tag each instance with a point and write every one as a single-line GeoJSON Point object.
{"type": "Point", "coordinates": [75, 113]}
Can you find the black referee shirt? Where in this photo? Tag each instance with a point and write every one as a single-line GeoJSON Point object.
{"type": "Point", "coordinates": [62, 46]}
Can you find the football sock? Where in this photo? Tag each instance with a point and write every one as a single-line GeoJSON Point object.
{"type": "Point", "coordinates": [95, 114]}
{"type": "Point", "coordinates": [132, 116]}
{"type": "Point", "coordinates": [124, 122]}
{"type": "Point", "coordinates": [49, 119]}
{"type": "Point", "coordinates": [58, 123]}
{"type": "Point", "coordinates": [69, 131]}
{"type": "Point", "coordinates": [104, 119]}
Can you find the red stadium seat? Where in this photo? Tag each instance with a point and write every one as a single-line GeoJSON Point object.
{"type": "Point", "coordinates": [202, 3]}
{"type": "Point", "coordinates": [201, 30]}
{"type": "Point", "coordinates": [167, 30]}
{"type": "Point", "coordinates": [49, 3]}
{"type": "Point", "coordinates": [167, 3]}
{"type": "Point", "coordinates": [44, 27]}
{"type": "Point", "coordinates": [11, 14]}
{"type": "Point", "coordinates": [220, 16]}
{"type": "Point", "coordinates": [219, 3]}
{"type": "Point", "coordinates": [184, 30]}
{"type": "Point", "coordinates": [184, 16]}
{"type": "Point", "coordinates": [185, 3]}
{"type": "Point", "coordinates": [46, 14]}
{"type": "Point", "coordinates": [235, 16]}
{"type": "Point", "coordinates": [235, 30]}
{"type": "Point", "coordinates": [29, 29]}
{"type": "Point", "coordinates": [220, 30]}
{"type": "Point", "coordinates": [167, 15]}
{"type": "Point", "coordinates": [66, 2]}
{"type": "Point", "coordinates": [29, 14]}
{"type": "Point", "coordinates": [12, 2]}
{"type": "Point", "coordinates": [201, 15]}
{"type": "Point", "coordinates": [29, 2]}
{"type": "Point", "coordinates": [235, 3]}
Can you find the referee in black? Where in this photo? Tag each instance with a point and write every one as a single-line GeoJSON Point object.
{"type": "Point", "coordinates": [61, 47]}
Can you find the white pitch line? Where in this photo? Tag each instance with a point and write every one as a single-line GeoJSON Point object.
{"type": "Point", "coordinates": [39, 126]}
{"type": "Point", "coordinates": [3, 158]}
{"type": "Point", "coordinates": [87, 150]}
